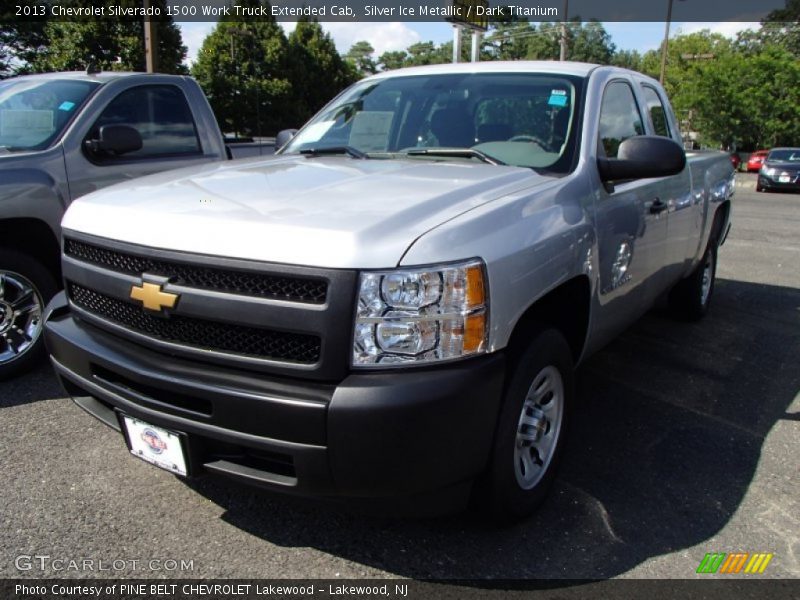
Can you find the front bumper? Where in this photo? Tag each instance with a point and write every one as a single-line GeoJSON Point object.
{"type": "Point", "coordinates": [776, 184]}
{"type": "Point", "coordinates": [370, 435]}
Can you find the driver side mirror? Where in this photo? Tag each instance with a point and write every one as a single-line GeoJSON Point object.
{"type": "Point", "coordinates": [116, 139]}
{"type": "Point", "coordinates": [641, 157]}
{"type": "Point", "coordinates": [283, 137]}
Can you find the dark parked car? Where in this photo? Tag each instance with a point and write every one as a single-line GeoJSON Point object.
{"type": "Point", "coordinates": [756, 160]}
{"type": "Point", "coordinates": [781, 170]}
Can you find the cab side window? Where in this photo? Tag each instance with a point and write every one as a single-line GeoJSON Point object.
{"type": "Point", "coordinates": [162, 117]}
{"type": "Point", "coordinates": [655, 108]}
{"type": "Point", "coordinates": [619, 117]}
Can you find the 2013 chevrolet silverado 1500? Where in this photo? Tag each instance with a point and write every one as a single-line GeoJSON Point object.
{"type": "Point", "coordinates": [63, 135]}
{"type": "Point", "coordinates": [395, 303]}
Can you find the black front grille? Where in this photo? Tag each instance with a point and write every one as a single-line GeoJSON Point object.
{"type": "Point", "coordinates": [231, 281]}
{"type": "Point", "coordinates": [200, 333]}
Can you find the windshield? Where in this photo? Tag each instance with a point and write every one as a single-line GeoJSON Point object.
{"type": "Point", "coordinates": [785, 155]}
{"type": "Point", "coordinates": [34, 111]}
{"type": "Point", "coordinates": [520, 119]}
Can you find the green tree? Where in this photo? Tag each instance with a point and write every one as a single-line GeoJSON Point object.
{"type": "Point", "coordinates": [423, 53]}
{"type": "Point", "coordinates": [779, 28]}
{"type": "Point", "coordinates": [392, 60]}
{"type": "Point", "coordinates": [20, 42]}
{"type": "Point", "coordinates": [5, 63]}
{"type": "Point", "coordinates": [443, 53]}
{"type": "Point", "coordinates": [507, 39]}
{"type": "Point", "coordinates": [740, 94]}
{"type": "Point", "coordinates": [589, 42]}
{"type": "Point", "coordinates": [108, 42]}
{"type": "Point", "coordinates": [545, 43]}
{"type": "Point", "coordinates": [320, 72]}
{"type": "Point", "coordinates": [360, 56]}
{"type": "Point", "coordinates": [749, 101]}
{"type": "Point", "coordinates": [244, 67]}
{"type": "Point", "coordinates": [627, 59]}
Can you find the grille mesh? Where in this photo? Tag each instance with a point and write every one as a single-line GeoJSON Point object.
{"type": "Point", "coordinates": [293, 289]}
{"type": "Point", "coordinates": [208, 335]}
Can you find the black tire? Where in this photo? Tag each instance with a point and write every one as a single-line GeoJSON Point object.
{"type": "Point", "coordinates": [689, 299]}
{"type": "Point", "coordinates": [504, 493]}
{"type": "Point", "coordinates": [21, 311]}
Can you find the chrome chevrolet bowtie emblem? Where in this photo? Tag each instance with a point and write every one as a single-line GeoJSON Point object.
{"type": "Point", "coordinates": [153, 297]}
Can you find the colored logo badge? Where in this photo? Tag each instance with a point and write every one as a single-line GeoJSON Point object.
{"type": "Point", "coordinates": [155, 443]}
{"type": "Point", "coordinates": [732, 563]}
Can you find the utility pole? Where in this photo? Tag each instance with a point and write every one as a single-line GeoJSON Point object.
{"type": "Point", "coordinates": [150, 42]}
{"type": "Point", "coordinates": [665, 46]}
{"type": "Point", "coordinates": [563, 53]}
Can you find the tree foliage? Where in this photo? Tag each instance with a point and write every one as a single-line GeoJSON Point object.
{"type": "Point", "coordinates": [107, 42]}
{"type": "Point", "coordinates": [259, 82]}
{"type": "Point", "coordinates": [319, 70]}
{"type": "Point", "coordinates": [741, 93]}
{"type": "Point", "coordinates": [244, 67]}
{"type": "Point", "coordinates": [360, 58]}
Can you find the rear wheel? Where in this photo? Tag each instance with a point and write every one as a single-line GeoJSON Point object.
{"type": "Point", "coordinates": [691, 297]}
{"type": "Point", "coordinates": [25, 288]}
{"type": "Point", "coordinates": [531, 429]}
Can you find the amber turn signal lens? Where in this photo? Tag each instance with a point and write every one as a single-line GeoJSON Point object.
{"type": "Point", "coordinates": [474, 333]}
{"type": "Point", "coordinates": [475, 294]}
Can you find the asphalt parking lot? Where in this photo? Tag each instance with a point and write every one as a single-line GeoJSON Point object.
{"type": "Point", "coordinates": [686, 441]}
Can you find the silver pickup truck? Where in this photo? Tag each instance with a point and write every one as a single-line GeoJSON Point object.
{"type": "Point", "coordinates": [63, 135]}
{"type": "Point", "coordinates": [396, 303]}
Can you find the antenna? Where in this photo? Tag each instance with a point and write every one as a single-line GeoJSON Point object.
{"type": "Point", "coordinates": [91, 67]}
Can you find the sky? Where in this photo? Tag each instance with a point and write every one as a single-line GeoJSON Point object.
{"type": "Point", "coordinates": [398, 36]}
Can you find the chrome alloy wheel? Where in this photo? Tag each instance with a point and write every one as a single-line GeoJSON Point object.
{"type": "Point", "coordinates": [708, 277]}
{"type": "Point", "coordinates": [539, 427]}
{"type": "Point", "coordinates": [21, 309]}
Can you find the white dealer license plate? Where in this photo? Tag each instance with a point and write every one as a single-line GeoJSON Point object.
{"type": "Point", "coordinates": [155, 445]}
{"type": "Point", "coordinates": [785, 179]}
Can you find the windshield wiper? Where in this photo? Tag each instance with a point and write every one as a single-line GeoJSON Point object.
{"type": "Point", "coordinates": [354, 152]}
{"type": "Point", "coordinates": [457, 152]}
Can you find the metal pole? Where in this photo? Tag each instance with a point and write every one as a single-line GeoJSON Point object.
{"type": "Point", "coordinates": [563, 52]}
{"type": "Point", "coordinates": [150, 42]}
{"type": "Point", "coordinates": [476, 44]}
{"type": "Point", "coordinates": [665, 47]}
{"type": "Point", "coordinates": [456, 43]}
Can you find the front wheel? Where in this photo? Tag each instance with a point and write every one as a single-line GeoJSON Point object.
{"type": "Point", "coordinates": [531, 429]}
{"type": "Point", "coordinates": [25, 287]}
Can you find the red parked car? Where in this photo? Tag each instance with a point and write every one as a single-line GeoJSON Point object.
{"type": "Point", "coordinates": [735, 161]}
{"type": "Point", "coordinates": [756, 160]}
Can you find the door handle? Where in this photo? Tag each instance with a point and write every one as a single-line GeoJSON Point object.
{"type": "Point", "coordinates": [658, 206]}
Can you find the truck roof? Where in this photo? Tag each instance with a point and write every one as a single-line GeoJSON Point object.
{"type": "Point", "coordinates": [100, 77]}
{"type": "Point", "coordinates": [579, 69]}
{"type": "Point", "coordinates": [496, 66]}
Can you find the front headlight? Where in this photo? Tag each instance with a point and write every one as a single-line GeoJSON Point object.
{"type": "Point", "coordinates": [768, 171]}
{"type": "Point", "coordinates": [421, 315]}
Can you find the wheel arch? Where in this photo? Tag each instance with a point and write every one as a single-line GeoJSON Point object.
{"type": "Point", "coordinates": [721, 221]}
{"type": "Point", "coordinates": [34, 238]}
{"type": "Point", "coordinates": [566, 308]}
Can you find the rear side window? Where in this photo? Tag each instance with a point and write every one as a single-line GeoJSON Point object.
{"type": "Point", "coordinates": [655, 108]}
{"type": "Point", "coordinates": [160, 114]}
{"type": "Point", "coordinates": [619, 117]}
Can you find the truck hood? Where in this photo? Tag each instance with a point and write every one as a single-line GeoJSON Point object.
{"type": "Point", "coordinates": [334, 212]}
